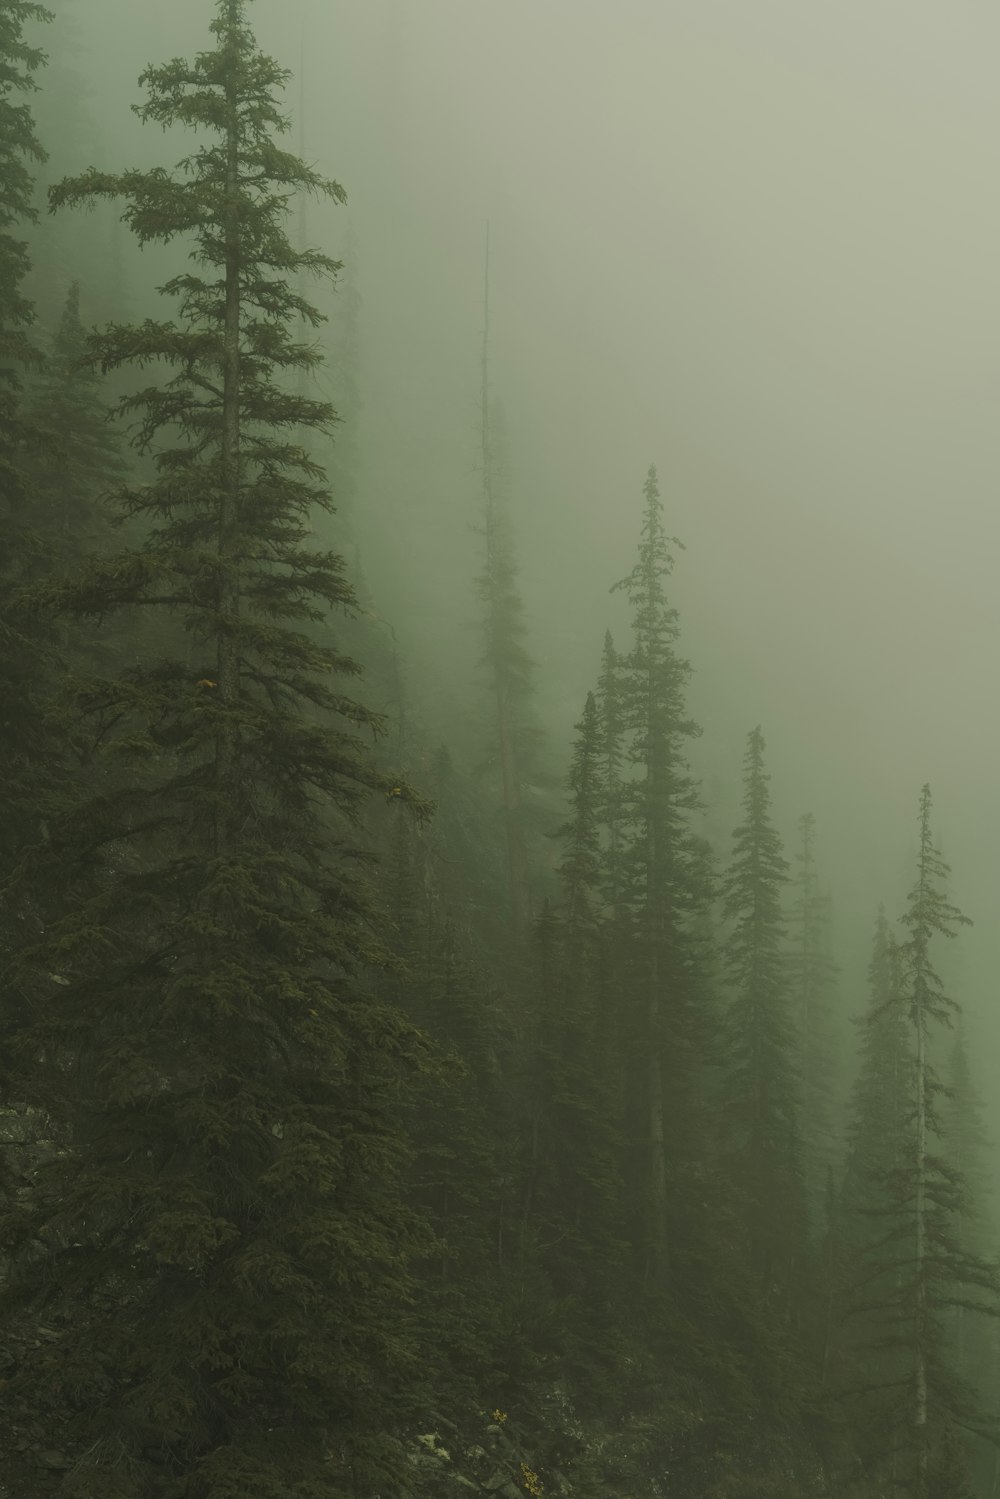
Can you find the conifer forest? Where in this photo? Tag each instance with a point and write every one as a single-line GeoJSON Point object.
{"type": "Point", "coordinates": [498, 880]}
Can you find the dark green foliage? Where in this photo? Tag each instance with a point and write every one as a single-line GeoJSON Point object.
{"type": "Point", "coordinates": [972, 1339]}
{"type": "Point", "coordinates": [865, 1355]}
{"type": "Point", "coordinates": [651, 686]}
{"type": "Point", "coordinates": [948, 1476]}
{"type": "Point", "coordinates": [761, 1108]}
{"type": "Point", "coordinates": [882, 1095]}
{"type": "Point", "coordinates": [574, 1196]}
{"type": "Point", "coordinates": [19, 150]}
{"type": "Point", "coordinates": [812, 976]}
{"type": "Point", "coordinates": [27, 667]}
{"type": "Point", "coordinates": [222, 1254]}
{"type": "Point", "coordinates": [346, 1153]}
{"type": "Point", "coordinates": [911, 1270]}
{"type": "Point", "coordinates": [344, 365]}
{"type": "Point", "coordinates": [610, 770]}
{"type": "Point", "coordinates": [967, 1145]}
{"type": "Point", "coordinates": [513, 744]}
{"type": "Point", "coordinates": [662, 890]}
{"type": "Point", "coordinates": [77, 460]}
{"type": "Point", "coordinates": [580, 868]}
{"type": "Point", "coordinates": [68, 114]}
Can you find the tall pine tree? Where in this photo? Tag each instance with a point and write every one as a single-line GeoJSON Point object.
{"type": "Point", "coordinates": [611, 770]}
{"type": "Point", "coordinates": [78, 459]}
{"type": "Point", "coordinates": [221, 1257]}
{"type": "Point", "coordinates": [812, 974]}
{"type": "Point", "coordinates": [509, 666]}
{"type": "Point", "coordinates": [24, 673]}
{"type": "Point", "coordinates": [658, 887]}
{"type": "Point", "coordinates": [914, 1269]}
{"type": "Point", "coordinates": [761, 1105]}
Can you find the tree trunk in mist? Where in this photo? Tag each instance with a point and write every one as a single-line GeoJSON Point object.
{"type": "Point", "coordinates": [517, 862]}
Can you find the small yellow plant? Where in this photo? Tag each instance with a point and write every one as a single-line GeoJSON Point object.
{"type": "Point", "coordinates": [531, 1481]}
{"type": "Point", "coordinates": [499, 1417]}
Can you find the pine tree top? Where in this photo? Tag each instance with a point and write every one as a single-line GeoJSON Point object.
{"type": "Point", "coordinates": [580, 868]}
{"type": "Point", "coordinates": [752, 888]}
{"type": "Point", "coordinates": [929, 913]}
{"type": "Point", "coordinates": [655, 619]}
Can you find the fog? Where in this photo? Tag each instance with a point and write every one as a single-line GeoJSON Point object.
{"type": "Point", "coordinates": [757, 248]}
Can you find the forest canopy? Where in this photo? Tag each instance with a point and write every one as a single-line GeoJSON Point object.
{"type": "Point", "coordinates": [399, 1095]}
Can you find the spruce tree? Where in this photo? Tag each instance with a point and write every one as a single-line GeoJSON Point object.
{"type": "Point", "coordinates": [915, 1270]}
{"type": "Point", "coordinates": [761, 1107]}
{"type": "Point", "coordinates": [967, 1150]}
{"type": "Point", "coordinates": [345, 371]}
{"type": "Point", "coordinates": [451, 1113]}
{"type": "Point", "coordinates": [881, 1096]}
{"type": "Point", "coordinates": [509, 666]}
{"type": "Point", "coordinates": [78, 459]}
{"type": "Point", "coordinates": [68, 122]}
{"type": "Point", "coordinates": [812, 974]}
{"type": "Point", "coordinates": [19, 149]}
{"type": "Point", "coordinates": [658, 888]}
{"type": "Point", "coordinates": [870, 1370]}
{"type": "Point", "coordinates": [580, 866]}
{"type": "Point", "coordinates": [25, 670]}
{"type": "Point", "coordinates": [611, 769]}
{"type": "Point", "coordinates": [931, 1188]}
{"type": "Point", "coordinates": [663, 895]}
{"type": "Point", "coordinates": [966, 1141]}
{"type": "Point", "coordinates": [575, 1190]}
{"type": "Point", "coordinates": [221, 1257]}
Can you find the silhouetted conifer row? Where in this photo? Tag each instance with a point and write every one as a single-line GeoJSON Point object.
{"type": "Point", "coordinates": [350, 1150]}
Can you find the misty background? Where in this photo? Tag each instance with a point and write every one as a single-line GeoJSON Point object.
{"type": "Point", "coordinates": [757, 246]}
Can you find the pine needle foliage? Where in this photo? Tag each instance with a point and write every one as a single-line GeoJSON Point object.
{"type": "Point", "coordinates": [659, 886]}
{"type": "Point", "coordinates": [761, 1101]}
{"type": "Point", "coordinates": [652, 684]}
{"type": "Point", "coordinates": [812, 975]}
{"type": "Point", "coordinates": [580, 866]}
{"type": "Point", "coordinates": [881, 1099]}
{"type": "Point", "coordinates": [78, 459]}
{"type": "Point", "coordinates": [508, 665]}
{"type": "Point", "coordinates": [867, 1354]}
{"type": "Point", "coordinates": [26, 665]}
{"type": "Point", "coordinates": [914, 1270]}
{"type": "Point", "coordinates": [575, 1190]}
{"type": "Point", "coordinates": [610, 770]}
{"type": "Point", "coordinates": [967, 1148]}
{"type": "Point", "coordinates": [20, 149]}
{"type": "Point", "coordinates": [222, 1250]}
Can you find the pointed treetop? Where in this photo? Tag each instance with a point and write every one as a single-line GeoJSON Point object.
{"type": "Point", "coordinates": [929, 909]}
{"type": "Point", "coordinates": [756, 797]}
